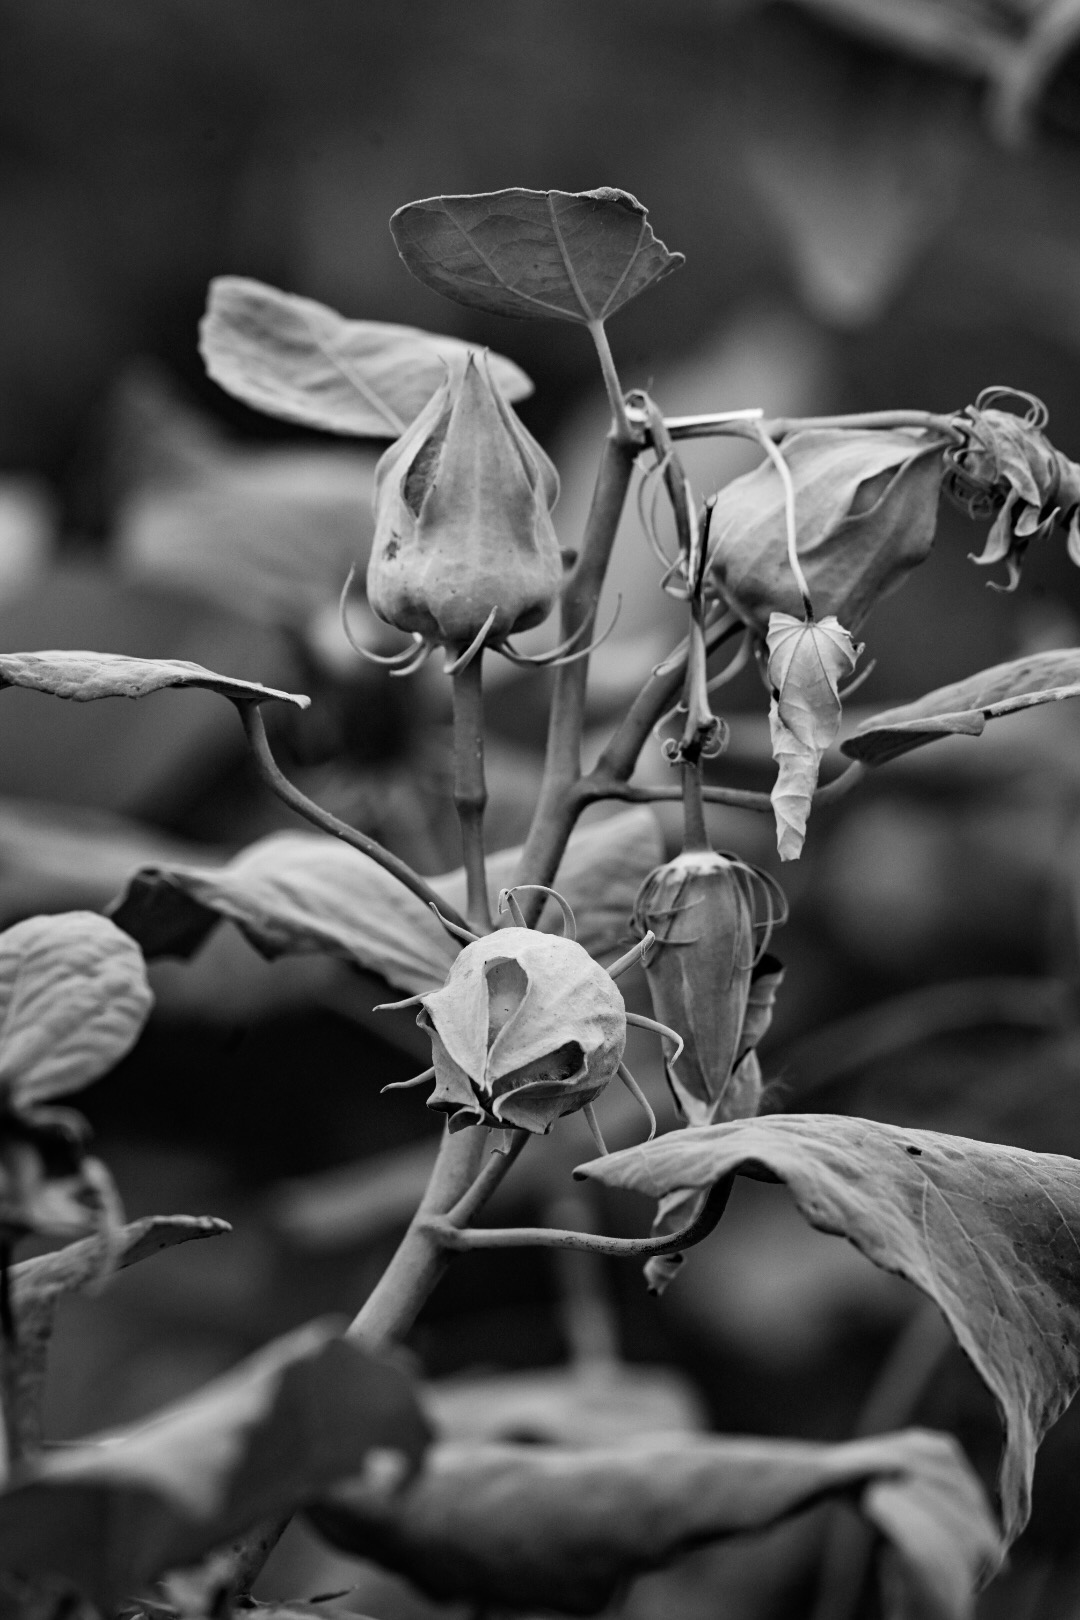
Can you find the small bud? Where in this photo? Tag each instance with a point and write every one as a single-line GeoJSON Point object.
{"type": "Point", "coordinates": [701, 907]}
{"type": "Point", "coordinates": [1008, 467]}
{"type": "Point", "coordinates": [866, 510]}
{"type": "Point", "coordinates": [462, 519]}
{"type": "Point", "coordinates": [526, 1028]}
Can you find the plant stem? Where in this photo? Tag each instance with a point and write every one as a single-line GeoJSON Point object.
{"type": "Point", "coordinates": [470, 789]}
{"type": "Point", "coordinates": [557, 807]}
{"type": "Point", "coordinates": [695, 836]}
{"type": "Point", "coordinates": [620, 422]}
{"type": "Point", "coordinates": [595, 787]}
{"type": "Point", "coordinates": [745, 424]}
{"type": "Point", "coordinates": [255, 730]}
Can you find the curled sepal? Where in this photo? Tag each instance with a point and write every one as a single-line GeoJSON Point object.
{"type": "Point", "coordinates": [526, 1028]}
{"type": "Point", "coordinates": [464, 545]}
{"type": "Point", "coordinates": [807, 660]}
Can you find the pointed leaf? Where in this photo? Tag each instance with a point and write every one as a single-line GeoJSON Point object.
{"type": "Point", "coordinates": [297, 359]}
{"type": "Point", "coordinates": [577, 256]}
{"type": "Point", "coordinates": [297, 892]}
{"type": "Point", "coordinates": [73, 1001]}
{"type": "Point", "coordinates": [988, 1232]}
{"type": "Point", "coordinates": [527, 1527]}
{"type": "Point", "coordinates": [113, 1513]}
{"type": "Point", "coordinates": [806, 664]}
{"type": "Point", "coordinates": [964, 707]}
{"type": "Point", "coordinates": [84, 676]}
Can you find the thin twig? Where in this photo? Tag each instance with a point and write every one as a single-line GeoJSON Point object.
{"type": "Point", "coordinates": [596, 787]}
{"type": "Point", "coordinates": [470, 789]}
{"type": "Point", "coordinates": [255, 730]}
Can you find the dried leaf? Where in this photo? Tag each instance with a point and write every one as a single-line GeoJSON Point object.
{"type": "Point", "coordinates": [73, 1000]}
{"type": "Point", "coordinates": [964, 707]}
{"type": "Point", "coordinates": [297, 892]}
{"type": "Point", "coordinates": [297, 359]}
{"type": "Point", "coordinates": [806, 664]}
{"type": "Point", "coordinates": [84, 676]}
{"type": "Point", "coordinates": [113, 1513]}
{"type": "Point", "coordinates": [577, 256]}
{"type": "Point", "coordinates": [988, 1232]}
{"type": "Point", "coordinates": [528, 1527]}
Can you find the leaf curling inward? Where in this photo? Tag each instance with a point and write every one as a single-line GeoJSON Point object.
{"type": "Point", "coordinates": [807, 661]}
{"type": "Point", "coordinates": [86, 676]}
{"type": "Point", "coordinates": [990, 1233]}
{"type": "Point", "coordinates": [297, 359]}
{"type": "Point", "coordinates": [964, 707]}
{"type": "Point", "coordinates": [277, 1431]}
{"type": "Point", "coordinates": [575, 256]}
{"type": "Point", "coordinates": [563, 1528]}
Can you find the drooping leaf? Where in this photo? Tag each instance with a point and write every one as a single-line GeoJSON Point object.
{"type": "Point", "coordinates": [806, 664]}
{"type": "Point", "coordinates": [527, 1527]}
{"type": "Point", "coordinates": [577, 256]}
{"type": "Point", "coordinates": [73, 1000]}
{"type": "Point", "coordinates": [576, 1405]}
{"type": "Point", "coordinates": [38, 1286]}
{"type": "Point", "coordinates": [84, 676]}
{"type": "Point", "coordinates": [296, 892]}
{"type": "Point", "coordinates": [964, 707]}
{"type": "Point", "coordinates": [297, 359]}
{"type": "Point", "coordinates": [255, 1444]}
{"type": "Point", "coordinates": [988, 1232]}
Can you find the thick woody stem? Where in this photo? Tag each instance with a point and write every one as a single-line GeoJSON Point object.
{"type": "Point", "coordinates": [255, 730]}
{"type": "Point", "coordinates": [470, 789]}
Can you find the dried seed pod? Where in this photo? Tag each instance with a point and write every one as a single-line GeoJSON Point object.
{"type": "Point", "coordinates": [1008, 467]}
{"type": "Point", "coordinates": [703, 909]}
{"type": "Point", "coordinates": [463, 540]}
{"type": "Point", "coordinates": [866, 504]}
{"type": "Point", "coordinates": [526, 1028]}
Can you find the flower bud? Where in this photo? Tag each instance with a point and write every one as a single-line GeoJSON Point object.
{"type": "Point", "coordinates": [526, 1028]}
{"type": "Point", "coordinates": [700, 971]}
{"type": "Point", "coordinates": [462, 519]}
{"type": "Point", "coordinates": [1008, 467]}
{"type": "Point", "coordinates": [866, 510]}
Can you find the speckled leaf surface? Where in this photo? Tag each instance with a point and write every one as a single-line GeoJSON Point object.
{"type": "Point", "coordinates": [576, 256]}
{"type": "Point", "coordinates": [85, 676]}
{"type": "Point", "coordinates": [990, 1233]}
{"type": "Point", "coordinates": [296, 359]}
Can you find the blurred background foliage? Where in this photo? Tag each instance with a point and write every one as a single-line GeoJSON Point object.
{"type": "Point", "coordinates": [878, 205]}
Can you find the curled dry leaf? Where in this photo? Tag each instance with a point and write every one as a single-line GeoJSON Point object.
{"type": "Point", "coordinates": [964, 707]}
{"type": "Point", "coordinates": [73, 1001]}
{"type": "Point", "coordinates": [577, 256]}
{"type": "Point", "coordinates": [84, 676]}
{"type": "Point", "coordinates": [807, 661]}
{"type": "Point", "coordinates": [111, 1514]}
{"type": "Point", "coordinates": [528, 1527]}
{"type": "Point", "coordinates": [294, 358]}
{"type": "Point", "coordinates": [987, 1232]}
{"type": "Point", "coordinates": [297, 892]}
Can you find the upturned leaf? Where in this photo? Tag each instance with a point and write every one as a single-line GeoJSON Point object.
{"type": "Point", "coordinates": [109, 1515]}
{"type": "Point", "coordinates": [988, 1232]}
{"type": "Point", "coordinates": [806, 663]}
{"type": "Point", "coordinates": [294, 358]}
{"type": "Point", "coordinates": [73, 1000]}
{"type": "Point", "coordinates": [527, 1527]}
{"type": "Point", "coordinates": [84, 676]}
{"type": "Point", "coordinates": [964, 707]}
{"type": "Point", "coordinates": [576, 256]}
{"type": "Point", "coordinates": [297, 892]}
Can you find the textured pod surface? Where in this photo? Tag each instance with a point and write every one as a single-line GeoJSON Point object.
{"type": "Point", "coordinates": [462, 518]}
{"type": "Point", "coordinates": [526, 1028]}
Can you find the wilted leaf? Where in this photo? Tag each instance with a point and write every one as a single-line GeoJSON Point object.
{"type": "Point", "coordinates": [83, 676]}
{"type": "Point", "coordinates": [530, 1527]}
{"type": "Point", "coordinates": [988, 1232]}
{"type": "Point", "coordinates": [113, 1513]}
{"type": "Point", "coordinates": [73, 1000]}
{"type": "Point", "coordinates": [297, 359]}
{"type": "Point", "coordinates": [806, 664]}
{"type": "Point", "coordinates": [296, 892]}
{"type": "Point", "coordinates": [38, 1286]}
{"type": "Point", "coordinates": [964, 707]}
{"type": "Point", "coordinates": [578, 256]}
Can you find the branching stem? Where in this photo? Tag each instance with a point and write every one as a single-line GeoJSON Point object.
{"type": "Point", "coordinates": [470, 789]}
